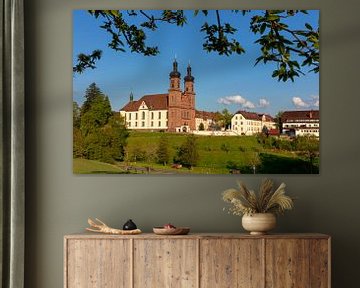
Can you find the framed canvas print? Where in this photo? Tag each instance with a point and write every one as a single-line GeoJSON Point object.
{"type": "Point", "coordinates": [196, 92]}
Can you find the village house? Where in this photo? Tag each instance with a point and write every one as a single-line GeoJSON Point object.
{"type": "Point", "coordinates": [301, 123]}
{"type": "Point", "coordinates": [250, 123]}
{"type": "Point", "coordinates": [207, 119]}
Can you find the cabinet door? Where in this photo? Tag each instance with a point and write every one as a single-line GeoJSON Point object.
{"type": "Point", "coordinates": [231, 263]}
{"type": "Point", "coordinates": [297, 263]}
{"type": "Point", "coordinates": [98, 263]}
{"type": "Point", "coordinates": [320, 263]}
{"type": "Point", "coordinates": [287, 263]}
{"type": "Point", "coordinates": [165, 263]}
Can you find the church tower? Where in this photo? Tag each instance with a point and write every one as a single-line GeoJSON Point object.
{"type": "Point", "coordinates": [181, 104]}
{"type": "Point", "coordinates": [174, 98]}
{"type": "Point", "coordinates": [189, 98]}
{"type": "Point", "coordinates": [175, 77]}
{"type": "Point", "coordinates": [189, 81]}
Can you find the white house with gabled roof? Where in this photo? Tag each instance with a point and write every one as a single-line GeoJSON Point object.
{"type": "Point", "coordinates": [250, 123]}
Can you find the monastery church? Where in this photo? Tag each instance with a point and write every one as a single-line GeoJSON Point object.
{"type": "Point", "coordinates": [173, 111]}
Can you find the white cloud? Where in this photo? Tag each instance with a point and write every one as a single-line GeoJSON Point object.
{"type": "Point", "coordinates": [315, 100]}
{"type": "Point", "coordinates": [263, 103]}
{"type": "Point", "coordinates": [299, 103]}
{"type": "Point", "coordinates": [312, 102]}
{"type": "Point", "coordinates": [224, 101]}
{"type": "Point", "coordinates": [236, 99]}
{"type": "Point", "coordinates": [248, 104]}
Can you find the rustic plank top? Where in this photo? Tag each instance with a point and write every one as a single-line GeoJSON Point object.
{"type": "Point", "coordinates": [87, 235]}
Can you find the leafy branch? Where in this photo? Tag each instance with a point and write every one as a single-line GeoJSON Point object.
{"type": "Point", "coordinates": [290, 49]}
{"type": "Point", "coordinates": [85, 61]}
{"type": "Point", "coordinates": [280, 44]}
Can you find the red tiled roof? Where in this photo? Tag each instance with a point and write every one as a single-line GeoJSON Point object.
{"type": "Point", "coordinates": [254, 116]}
{"type": "Point", "coordinates": [154, 102]}
{"type": "Point", "coordinates": [205, 115]}
{"type": "Point", "coordinates": [267, 117]}
{"type": "Point", "coordinates": [249, 115]}
{"type": "Point", "coordinates": [300, 115]}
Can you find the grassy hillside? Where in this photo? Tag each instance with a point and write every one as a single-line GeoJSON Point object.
{"type": "Point", "coordinates": [218, 155]}
{"type": "Point", "coordinates": [84, 166]}
{"type": "Point", "coordinates": [215, 151]}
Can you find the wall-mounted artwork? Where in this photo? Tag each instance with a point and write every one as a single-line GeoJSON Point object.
{"type": "Point", "coordinates": [196, 92]}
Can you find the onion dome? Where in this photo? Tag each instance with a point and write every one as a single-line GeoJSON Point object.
{"type": "Point", "coordinates": [188, 77]}
{"type": "Point", "coordinates": [175, 73]}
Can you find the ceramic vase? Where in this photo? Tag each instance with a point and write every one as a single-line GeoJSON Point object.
{"type": "Point", "coordinates": [259, 223]}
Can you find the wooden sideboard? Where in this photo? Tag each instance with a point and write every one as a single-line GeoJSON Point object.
{"type": "Point", "coordinates": [197, 260]}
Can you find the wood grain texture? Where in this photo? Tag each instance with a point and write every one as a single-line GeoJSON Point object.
{"type": "Point", "coordinates": [197, 261]}
{"type": "Point", "coordinates": [98, 264]}
{"type": "Point", "coordinates": [319, 263]}
{"type": "Point", "coordinates": [88, 235]}
{"type": "Point", "coordinates": [165, 263]}
{"type": "Point", "coordinates": [231, 263]}
{"type": "Point", "coordinates": [287, 263]}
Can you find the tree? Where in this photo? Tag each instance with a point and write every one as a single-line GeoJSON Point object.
{"type": "Point", "coordinates": [102, 134]}
{"type": "Point", "coordinates": [226, 118]}
{"type": "Point", "coordinates": [289, 48]}
{"type": "Point", "coordinates": [91, 94]}
{"type": "Point", "coordinates": [162, 151]}
{"type": "Point", "coordinates": [78, 144]}
{"type": "Point", "coordinates": [107, 143]}
{"type": "Point", "coordinates": [308, 146]}
{"type": "Point", "coordinates": [115, 136]}
{"type": "Point", "coordinates": [201, 127]}
{"type": "Point", "coordinates": [96, 115]}
{"type": "Point", "coordinates": [188, 154]}
{"type": "Point", "coordinates": [278, 122]}
{"type": "Point", "coordinates": [76, 115]}
{"type": "Point", "coordinates": [265, 131]}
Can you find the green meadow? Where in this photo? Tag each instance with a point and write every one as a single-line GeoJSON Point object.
{"type": "Point", "coordinates": [84, 166]}
{"type": "Point", "coordinates": [217, 155]}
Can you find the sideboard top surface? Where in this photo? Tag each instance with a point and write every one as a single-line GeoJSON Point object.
{"type": "Point", "coordinates": [87, 235]}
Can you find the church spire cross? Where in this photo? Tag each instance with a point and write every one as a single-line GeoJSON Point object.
{"type": "Point", "coordinates": [189, 70]}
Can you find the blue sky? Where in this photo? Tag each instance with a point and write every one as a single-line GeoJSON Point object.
{"type": "Point", "coordinates": [220, 81]}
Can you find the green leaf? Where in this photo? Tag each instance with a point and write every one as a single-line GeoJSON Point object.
{"type": "Point", "coordinates": [262, 28]}
{"type": "Point", "coordinates": [275, 73]}
{"type": "Point", "coordinates": [308, 26]}
{"type": "Point", "coordinates": [273, 17]}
